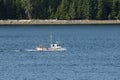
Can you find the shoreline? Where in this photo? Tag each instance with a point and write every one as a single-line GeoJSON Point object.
{"type": "Point", "coordinates": [57, 22]}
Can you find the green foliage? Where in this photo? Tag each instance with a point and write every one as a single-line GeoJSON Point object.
{"type": "Point", "coordinates": [118, 15]}
{"type": "Point", "coordinates": [60, 9]}
{"type": "Point", "coordinates": [72, 11]}
{"type": "Point", "coordinates": [79, 11]}
{"type": "Point", "coordinates": [115, 8]}
{"type": "Point", "coordinates": [93, 7]}
{"type": "Point", "coordinates": [27, 6]}
{"type": "Point", "coordinates": [85, 7]}
{"type": "Point", "coordinates": [101, 14]}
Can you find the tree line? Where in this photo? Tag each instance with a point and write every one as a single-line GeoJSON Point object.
{"type": "Point", "coordinates": [60, 9]}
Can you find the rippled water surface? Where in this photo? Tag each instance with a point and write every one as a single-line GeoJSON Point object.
{"type": "Point", "coordinates": [93, 53]}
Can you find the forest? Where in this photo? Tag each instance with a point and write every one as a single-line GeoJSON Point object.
{"type": "Point", "coordinates": [60, 9]}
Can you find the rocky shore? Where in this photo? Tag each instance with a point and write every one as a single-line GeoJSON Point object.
{"type": "Point", "coordinates": [48, 22]}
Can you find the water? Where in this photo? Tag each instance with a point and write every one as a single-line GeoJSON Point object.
{"type": "Point", "coordinates": [93, 53]}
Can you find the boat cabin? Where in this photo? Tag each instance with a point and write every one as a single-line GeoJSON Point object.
{"type": "Point", "coordinates": [55, 45]}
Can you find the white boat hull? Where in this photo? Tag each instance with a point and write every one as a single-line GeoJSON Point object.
{"type": "Point", "coordinates": [50, 49]}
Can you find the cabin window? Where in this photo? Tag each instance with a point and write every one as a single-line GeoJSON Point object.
{"type": "Point", "coordinates": [58, 44]}
{"type": "Point", "coordinates": [53, 45]}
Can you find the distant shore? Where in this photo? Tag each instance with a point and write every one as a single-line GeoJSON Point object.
{"type": "Point", "coordinates": [56, 22]}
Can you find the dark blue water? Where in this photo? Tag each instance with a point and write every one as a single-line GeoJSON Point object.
{"type": "Point", "coordinates": [93, 53]}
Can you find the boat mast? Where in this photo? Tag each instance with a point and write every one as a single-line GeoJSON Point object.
{"type": "Point", "coordinates": [51, 38]}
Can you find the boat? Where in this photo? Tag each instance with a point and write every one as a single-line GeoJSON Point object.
{"type": "Point", "coordinates": [53, 46]}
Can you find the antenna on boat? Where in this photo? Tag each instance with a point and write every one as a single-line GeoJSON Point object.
{"type": "Point", "coordinates": [51, 38]}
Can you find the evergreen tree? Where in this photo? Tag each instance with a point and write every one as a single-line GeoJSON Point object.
{"type": "Point", "coordinates": [27, 6]}
{"type": "Point", "coordinates": [85, 9]}
{"type": "Point", "coordinates": [115, 8]}
{"type": "Point", "coordinates": [118, 15]}
{"type": "Point", "coordinates": [1, 11]}
{"type": "Point", "coordinates": [101, 14]}
{"type": "Point", "coordinates": [18, 10]}
{"type": "Point", "coordinates": [108, 8]}
{"type": "Point", "coordinates": [72, 11]}
{"type": "Point", "coordinates": [62, 11]}
{"type": "Point", "coordinates": [53, 5]}
{"type": "Point", "coordinates": [79, 12]}
{"type": "Point", "coordinates": [93, 9]}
